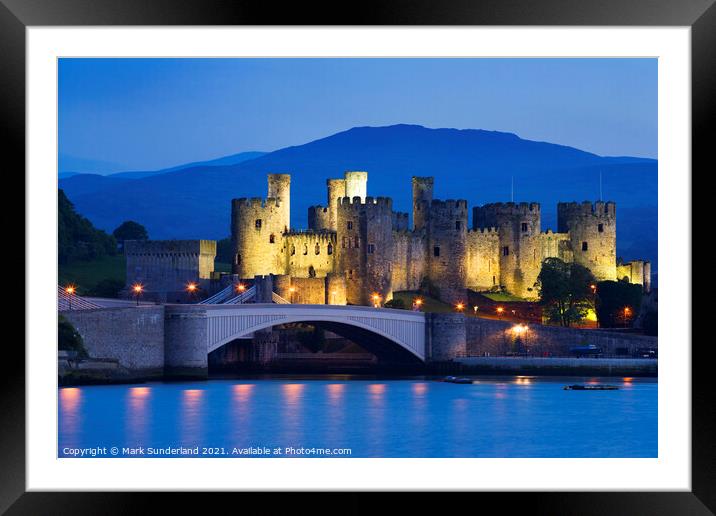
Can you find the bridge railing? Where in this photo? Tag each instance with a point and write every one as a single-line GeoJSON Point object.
{"type": "Point", "coordinates": [242, 298]}
{"type": "Point", "coordinates": [219, 297]}
{"type": "Point", "coordinates": [278, 299]}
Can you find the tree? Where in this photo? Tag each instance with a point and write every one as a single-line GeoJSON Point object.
{"type": "Point", "coordinates": [617, 303]}
{"type": "Point", "coordinates": [130, 230]}
{"type": "Point", "coordinates": [565, 290]}
{"type": "Point", "coordinates": [69, 339]}
{"type": "Point", "coordinates": [395, 303]}
{"type": "Point", "coordinates": [78, 239]}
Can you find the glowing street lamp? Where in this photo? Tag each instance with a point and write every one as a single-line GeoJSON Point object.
{"type": "Point", "coordinates": [192, 288]}
{"type": "Point", "coordinates": [474, 309]}
{"type": "Point", "coordinates": [291, 290]}
{"type": "Point", "coordinates": [520, 329]}
{"type": "Point", "coordinates": [137, 290]}
{"type": "Point", "coordinates": [417, 303]}
{"type": "Point", "coordinates": [459, 306]}
{"type": "Point", "coordinates": [500, 310]}
{"type": "Point", "coordinates": [240, 289]}
{"type": "Point", "coordinates": [71, 290]}
{"type": "Point", "coordinates": [376, 300]}
{"type": "Point", "coordinates": [627, 312]}
{"type": "Point", "coordinates": [594, 288]}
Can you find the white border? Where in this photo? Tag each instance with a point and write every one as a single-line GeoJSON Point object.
{"type": "Point", "coordinates": [670, 471]}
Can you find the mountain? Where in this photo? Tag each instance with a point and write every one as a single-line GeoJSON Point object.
{"type": "Point", "coordinates": [83, 183]}
{"type": "Point", "coordinates": [226, 160]}
{"type": "Point", "coordinates": [471, 164]}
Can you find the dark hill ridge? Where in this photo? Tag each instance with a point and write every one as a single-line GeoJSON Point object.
{"type": "Point", "coordinates": [472, 164]}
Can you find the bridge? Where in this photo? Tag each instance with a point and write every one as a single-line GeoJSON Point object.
{"type": "Point", "coordinates": [194, 331]}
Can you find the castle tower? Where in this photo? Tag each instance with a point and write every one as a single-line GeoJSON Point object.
{"type": "Point", "coordinates": [520, 249]}
{"type": "Point", "coordinates": [336, 189]}
{"type": "Point", "coordinates": [279, 187]}
{"type": "Point", "coordinates": [365, 248]}
{"type": "Point", "coordinates": [592, 229]}
{"type": "Point", "coordinates": [356, 184]}
{"type": "Point", "coordinates": [422, 197]}
{"type": "Point", "coordinates": [447, 248]}
{"type": "Point", "coordinates": [256, 229]}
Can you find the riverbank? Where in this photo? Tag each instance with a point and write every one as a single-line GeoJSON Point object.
{"type": "Point", "coordinates": [559, 366]}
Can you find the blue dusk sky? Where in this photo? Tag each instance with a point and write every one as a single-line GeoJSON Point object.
{"type": "Point", "coordinates": [146, 114]}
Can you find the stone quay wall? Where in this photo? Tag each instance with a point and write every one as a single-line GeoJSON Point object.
{"type": "Point", "coordinates": [133, 336]}
{"type": "Point", "coordinates": [488, 336]}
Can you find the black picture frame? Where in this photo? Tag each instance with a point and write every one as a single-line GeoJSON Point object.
{"type": "Point", "coordinates": [16, 15]}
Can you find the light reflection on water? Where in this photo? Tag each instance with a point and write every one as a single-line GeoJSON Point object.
{"type": "Point", "coordinates": [494, 417]}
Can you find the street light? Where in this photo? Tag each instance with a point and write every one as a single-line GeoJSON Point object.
{"type": "Point", "coordinates": [417, 303]}
{"type": "Point", "coordinates": [500, 310]}
{"type": "Point", "coordinates": [594, 288]}
{"type": "Point", "coordinates": [460, 306]}
{"type": "Point", "coordinates": [627, 311]}
{"type": "Point", "coordinates": [291, 291]}
{"type": "Point", "coordinates": [137, 290]}
{"type": "Point", "coordinates": [240, 288]}
{"type": "Point", "coordinates": [71, 290]}
{"type": "Point", "coordinates": [191, 288]}
{"type": "Point", "coordinates": [376, 300]}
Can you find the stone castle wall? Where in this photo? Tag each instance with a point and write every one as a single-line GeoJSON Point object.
{"type": "Point", "coordinates": [256, 229]}
{"type": "Point", "coordinates": [408, 260]}
{"type": "Point", "coordinates": [483, 265]}
{"type": "Point", "coordinates": [165, 267]}
{"type": "Point", "coordinates": [309, 254]}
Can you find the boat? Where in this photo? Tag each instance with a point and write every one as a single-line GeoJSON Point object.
{"type": "Point", "coordinates": [455, 379]}
{"type": "Point", "coordinates": [591, 388]}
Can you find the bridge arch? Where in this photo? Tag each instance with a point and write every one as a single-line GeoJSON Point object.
{"type": "Point", "coordinates": [380, 331]}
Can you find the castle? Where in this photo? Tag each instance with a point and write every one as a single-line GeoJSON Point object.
{"type": "Point", "coordinates": [357, 250]}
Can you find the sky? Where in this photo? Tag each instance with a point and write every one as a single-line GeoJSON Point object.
{"type": "Point", "coordinates": [146, 114]}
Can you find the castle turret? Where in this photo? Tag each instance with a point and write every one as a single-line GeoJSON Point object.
{"type": "Point", "coordinates": [422, 197]}
{"type": "Point", "coordinates": [520, 251]}
{"type": "Point", "coordinates": [365, 248]}
{"type": "Point", "coordinates": [356, 184]}
{"type": "Point", "coordinates": [256, 229]}
{"type": "Point", "coordinates": [447, 248]}
{"type": "Point", "coordinates": [279, 187]}
{"type": "Point", "coordinates": [336, 189]}
{"type": "Point", "coordinates": [593, 235]}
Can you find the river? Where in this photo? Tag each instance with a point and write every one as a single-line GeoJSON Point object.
{"type": "Point", "coordinates": [303, 416]}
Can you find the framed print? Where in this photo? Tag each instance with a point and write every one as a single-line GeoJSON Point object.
{"type": "Point", "coordinates": [416, 250]}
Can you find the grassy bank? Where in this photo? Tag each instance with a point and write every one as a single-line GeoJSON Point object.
{"type": "Point", "coordinates": [430, 304]}
{"type": "Point", "coordinates": [86, 275]}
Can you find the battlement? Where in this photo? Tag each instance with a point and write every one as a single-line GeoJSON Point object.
{"type": "Point", "coordinates": [597, 208]}
{"type": "Point", "coordinates": [310, 235]}
{"type": "Point", "coordinates": [256, 202]}
{"type": "Point", "coordinates": [169, 247]}
{"type": "Point", "coordinates": [356, 202]}
{"type": "Point", "coordinates": [449, 204]}
{"type": "Point", "coordinates": [511, 208]}
{"type": "Point", "coordinates": [489, 231]}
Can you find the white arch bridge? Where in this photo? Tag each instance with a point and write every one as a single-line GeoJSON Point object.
{"type": "Point", "coordinates": [194, 331]}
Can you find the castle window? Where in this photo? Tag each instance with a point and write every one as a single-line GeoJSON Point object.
{"type": "Point", "coordinates": [318, 249]}
{"type": "Point", "coordinates": [237, 259]}
{"type": "Point", "coordinates": [350, 224]}
{"type": "Point", "coordinates": [584, 246]}
{"type": "Point", "coordinates": [524, 227]}
{"type": "Point", "coordinates": [506, 250]}
{"type": "Point", "coordinates": [350, 273]}
{"type": "Point", "coordinates": [330, 248]}
{"type": "Point", "coordinates": [311, 271]}
{"type": "Point", "coordinates": [371, 248]}
{"type": "Point", "coordinates": [606, 210]}
{"type": "Point", "coordinates": [305, 249]}
{"type": "Point", "coordinates": [600, 228]}
{"type": "Point", "coordinates": [436, 251]}
{"type": "Point", "coordinates": [457, 225]}
{"type": "Point", "coordinates": [258, 224]}
{"type": "Point", "coordinates": [357, 242]}
{"type": "Point", "coordinates": [293, 250]}
{"type": "Point", "coordinates": [272, 238]}
{"type": "Point", "coordinates": [494, 281]}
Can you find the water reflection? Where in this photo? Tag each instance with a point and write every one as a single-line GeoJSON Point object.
{"type": "Point", "coordinates": [70, 416]}
{"type": "Point", "coordinates": [191, 416]}
{"type": "Point", "coordinates": [137, 415]}
{"type": "Point", "coordinates": [292, 413]}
